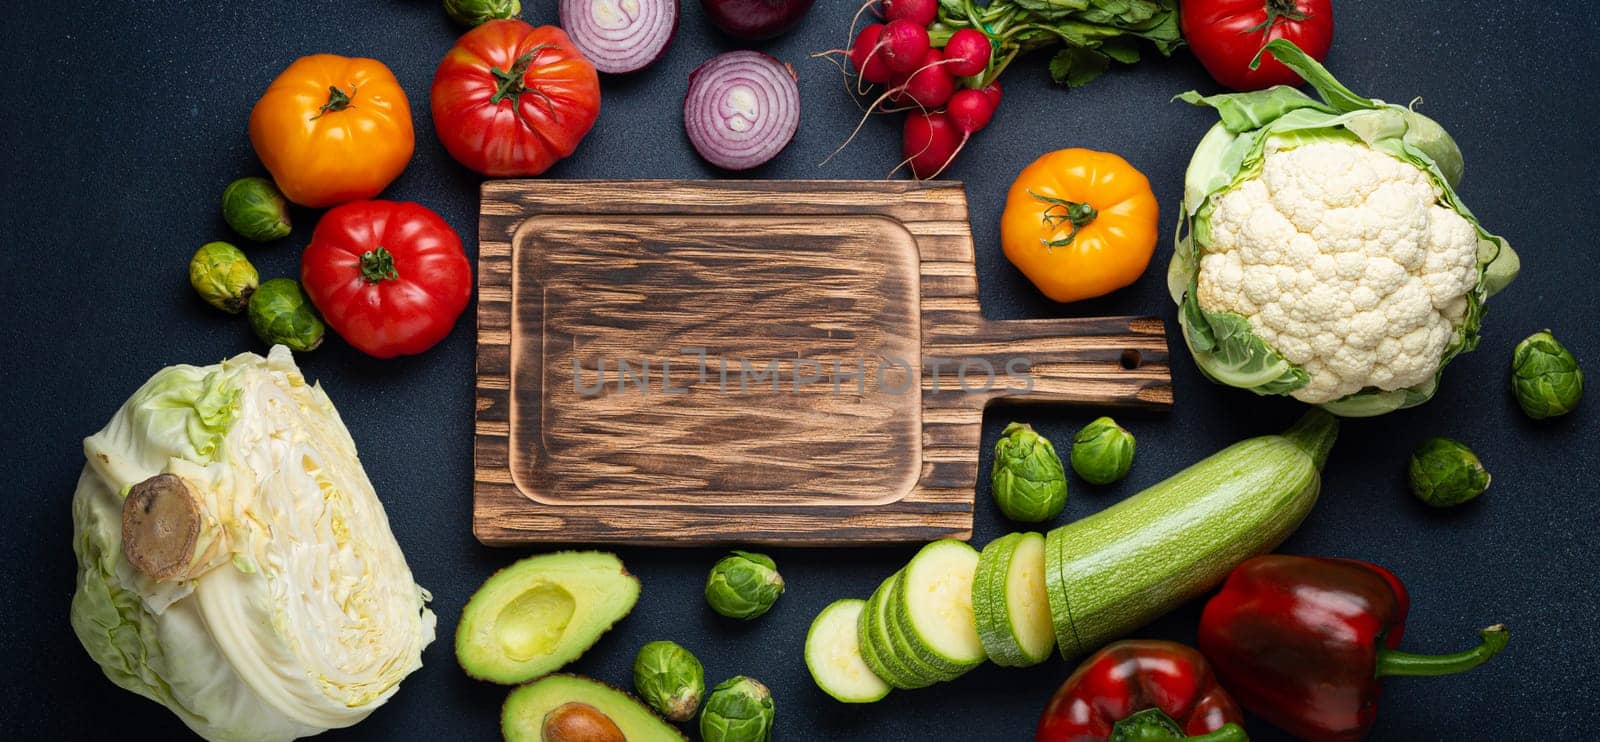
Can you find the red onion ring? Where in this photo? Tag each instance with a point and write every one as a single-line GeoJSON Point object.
{"type": "Point", "coordinates": [619, 36]}
{"type": "Point", "coordinates": [742, 109]}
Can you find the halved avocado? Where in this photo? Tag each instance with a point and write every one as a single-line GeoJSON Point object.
{"type": "Point", "coordinates": [534, 616]}
{"type": "Point", "coordinates": [573, 708]}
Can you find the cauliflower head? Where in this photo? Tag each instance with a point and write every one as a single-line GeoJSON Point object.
{"type": "Point", "coordinates": [1324, 253]}
{"type": "Point", "coordinates": [1345, 260]}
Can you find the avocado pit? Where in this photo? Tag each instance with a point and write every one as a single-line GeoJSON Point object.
{"type": "Point", "coordinates": [579, 722]}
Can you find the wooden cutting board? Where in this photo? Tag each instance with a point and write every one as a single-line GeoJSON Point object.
{"type": "Point", "coordinates": [788, 362]}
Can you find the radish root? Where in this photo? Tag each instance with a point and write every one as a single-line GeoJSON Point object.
{"type": "Point", "coordinates": [877, 107]}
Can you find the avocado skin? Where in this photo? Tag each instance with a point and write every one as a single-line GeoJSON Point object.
{"type": "Point", "coordinates": [522, 718]}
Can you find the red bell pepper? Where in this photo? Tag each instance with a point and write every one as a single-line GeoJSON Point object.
{"type": "Point", "coordinates": [1305, 642]}
{"type": "Point", "coordinates": [1141, 690]}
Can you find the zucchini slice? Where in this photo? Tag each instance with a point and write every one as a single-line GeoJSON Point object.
{"type": "Point", "coordinates": [1055, 588]}
{"type": "Point", "coordinates": [1009, 601]}
{"type": "Point", "coordinates": [876, 648]}
{"type": "Point", "coordinates": [899, 646]}
{"type": "Point", "coordinates": [933, 607]}
{"type": "Point", "coordinates": [833, 655]}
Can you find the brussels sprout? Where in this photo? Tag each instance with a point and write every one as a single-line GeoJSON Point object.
{"type": "Point", "coordinates": [1445, 472]}
{"type": "Point", "coordinates": [1545, 377]}
{"type": "Point", "coordinates": [479, 12]}
{"type": "Point", "coordinates": [281, 315]}
{"type": "Point", "coordinates": [670, 679]}
{"type": "Point", "coordinates": [1028, 481]}
{"type": "Point", "coordinates": [743, 585]}
{"type": "Point", "coordinates": [255, 209]}
{"type": "Point", "coordinates": [740, 709]}
{"type": "Point", "coordinates": [223, 276]}
{"type": "Point", "coordinates": [1102, 452]}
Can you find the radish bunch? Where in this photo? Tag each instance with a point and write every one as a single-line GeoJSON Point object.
{"type": "Point", "coordinates": [944, 80]}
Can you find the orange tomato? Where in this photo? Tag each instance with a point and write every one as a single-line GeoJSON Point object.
{"type": "Point", "coordinates": [1080, 224]}
{"type": "Point", "coordinates": [333, 129]}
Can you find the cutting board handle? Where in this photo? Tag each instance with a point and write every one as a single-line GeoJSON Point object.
{"type": "Point", "coordinates": [1098, 361]}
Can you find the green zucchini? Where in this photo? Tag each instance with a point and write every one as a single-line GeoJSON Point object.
{"type": "Point", "coordinates": [1009, 603]}
{"type": "Point", "coordinates": [833, 655]}
{"type": "Point", "coordinates": [1116, 570]}
{"type": "Point", "coordinates": [933, 606]}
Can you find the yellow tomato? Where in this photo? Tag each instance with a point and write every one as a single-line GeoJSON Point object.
{"type": "Point", "coordinates": [1080, 223]}
{"type": "Point", "coordinates": [333, 129]}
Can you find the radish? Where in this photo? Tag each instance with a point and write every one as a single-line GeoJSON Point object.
{"type": "Point", "coordinates": [969, 51]}
{"type": "Point", "coordinates": [921, 12]}
{"type": "Point", "coordinates": [929, 86]}
{"type": "Point", "coordinates": [896, 94]}
{"type": "Point", "coordinates": [867, 55]}
{"type": "Point", "coordinates": [903, 45]}
{"type": "Point", "coordinates": [970, 111]}
{"type": "Point", "coordinates": [929, 142]}
{"type": "Point", "coordinates": [993, 91]}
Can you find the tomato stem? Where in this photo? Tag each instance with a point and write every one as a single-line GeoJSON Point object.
{"type": "Point", "coordinates": [338, 100]}
{"type": "Point", "coordinates": [1277, 12]}
{"type": "Point", "coordinates": [377, 266]}
{"type": "Point", "coordinates": [513, 82]}
{"type": "Point", "coordinates": [1061, 211]}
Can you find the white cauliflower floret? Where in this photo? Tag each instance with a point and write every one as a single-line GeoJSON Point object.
{"type": "Point", "coordinates": [1345, 261]}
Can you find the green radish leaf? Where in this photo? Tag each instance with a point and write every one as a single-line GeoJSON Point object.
{"type": "Point", "coordinates": [1049, 10]}
{"type": "Point", "coordinates": [1123, 50]}
{"type": "Point", "coordinates": [1076, 66]}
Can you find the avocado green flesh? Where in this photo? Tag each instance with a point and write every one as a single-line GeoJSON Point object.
{"type": "Point", "coordinates": [1118, 569]}
{"type": "Point", "coordinates": [537, 615]}
{"type": "Point", "coordinates": [522, 719]}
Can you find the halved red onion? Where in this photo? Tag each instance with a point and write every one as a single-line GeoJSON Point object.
{"type": "Point", "coordinates": [620, 36]}
{"type": "Point", "coordinates": [742, 109]}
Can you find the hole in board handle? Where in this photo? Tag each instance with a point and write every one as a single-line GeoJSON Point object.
{"type": "Point", "coordinates": [1130, 359]}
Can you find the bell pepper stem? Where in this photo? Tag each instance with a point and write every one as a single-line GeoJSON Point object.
{"type": "Point", "coordinates": [1393, 663]}
{"type": "Point", "coordinates": [1155, 725]}
{"type": "Point", "coordinates": [1229, 732]}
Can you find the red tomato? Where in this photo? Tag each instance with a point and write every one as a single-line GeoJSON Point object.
{"type": "Point", "coordinates": [389, 277]}
{"type": "Point", "coordinates": [1227, 34]}
{"type": "Point", "coordinates": [510, 99]}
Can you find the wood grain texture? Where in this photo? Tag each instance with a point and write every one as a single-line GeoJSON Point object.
{"type": "Point", "coordinates": [815, 280]}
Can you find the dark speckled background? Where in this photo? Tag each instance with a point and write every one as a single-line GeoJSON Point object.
{"type": "Point", "coordinates": [124, 120]}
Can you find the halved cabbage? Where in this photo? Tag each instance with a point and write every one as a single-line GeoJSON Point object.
{"type": "Point", "coordinates": [270, 600]}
